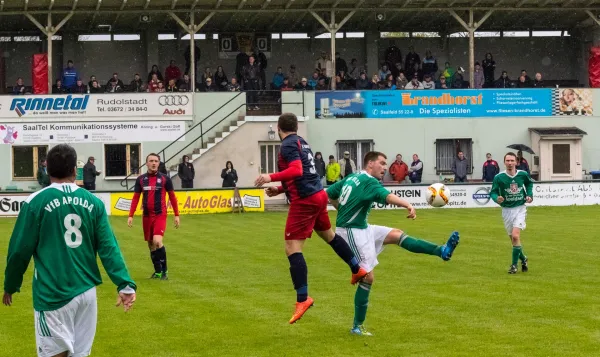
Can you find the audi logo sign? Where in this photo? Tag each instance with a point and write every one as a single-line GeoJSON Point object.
{"type": "Point", "coordinates": [173, 100]}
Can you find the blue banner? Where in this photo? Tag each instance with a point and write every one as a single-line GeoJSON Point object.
{"type": "Point", "coordinates": [458, 103]}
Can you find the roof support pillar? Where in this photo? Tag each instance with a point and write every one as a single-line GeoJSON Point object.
{"type": "Point", "coordinates": [593, 17]}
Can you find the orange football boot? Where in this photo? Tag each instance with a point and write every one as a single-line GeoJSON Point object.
{"type": "Point", "coordinates": [358, 276]}
{"type": "Point", "coordinates": [301, 308]}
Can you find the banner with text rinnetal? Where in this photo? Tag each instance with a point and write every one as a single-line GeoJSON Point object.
{"type": "Point", "coordinates": [458, 103]}
{"type": "Point", "coordinates": [161, 106]}
{"type": "Point", "coordinates": [91, 132]}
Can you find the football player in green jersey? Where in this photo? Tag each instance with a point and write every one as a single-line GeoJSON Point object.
{"type": "Point", "coordinates": [353, 198]}
{"type": "Point", "coordinates": [511, 189]}
{"type": "Point", "coordinates": [64, 228]}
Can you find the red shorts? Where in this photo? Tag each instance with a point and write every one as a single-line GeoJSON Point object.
{"type": "Point", "coordinates": [154, 226]}
{"type": "Point", "coordinates": [306, 214]}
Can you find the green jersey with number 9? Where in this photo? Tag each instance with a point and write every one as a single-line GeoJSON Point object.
{"type": "Point", "coordinates": [356, 194]}
{"type": "Point", "coordinates": [63, 227]}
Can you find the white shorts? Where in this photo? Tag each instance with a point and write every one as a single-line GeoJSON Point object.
{"type": "Point", "coordinates": [70, 328]}
{"type": "Point", "coordinates": [514, 217]}
{"type": "Point", "coordinates": [366, 244]}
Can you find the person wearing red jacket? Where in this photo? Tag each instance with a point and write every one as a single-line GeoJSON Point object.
{"type": "Point", "coordinates": [154, 185]}
{"type": "Point", "coordinates": [399, 169]}
{"type": "Point", "coordinates": [172, 72]}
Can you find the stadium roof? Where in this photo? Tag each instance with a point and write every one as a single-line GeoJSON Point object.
{"type": "Point", "coordinates": [294, 15]}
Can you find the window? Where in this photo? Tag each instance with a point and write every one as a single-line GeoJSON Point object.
{"type": "Point", "coordinates": [27, 39]}
{"type": "Point", "coordinates": [355, 34]}
{"type": "Point", "coordinates": [95, 38]}
{"type": "Point", "coordinates": [268, 158]}
{"type": "Point", "coordinates": [166, 36]}
{"type": "Point", "coordinates": [328, 35]}
{"type": "Point", "coordinates": [357, 149]}
{"type": "Point", "coordinates": [26, 161]}
{"type": "Point", "coordinates": [561, 158]}
{"type": "Point", "coordinates": [122, 159]}
{"type": "Point", "coordinates": [446, 151]}
{"type": "Point", "coordinates": [197, 36]}
{"type": "Point", "coordinates": [291, 36]}
{"type": "Point", "coordinates": [126, 37]}
{"type": "Point", "coordinates": [425, 34]}
{"type": "Point", "coordinates": [394, 34]}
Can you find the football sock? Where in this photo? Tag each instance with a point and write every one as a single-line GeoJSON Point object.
{"type": "Point", "coordinates": [162, 258]}
{"type": "Point", "coordinates": [343, 250]}
{"type": "Point", "coordinates": [299, 273]}
{"type": "Point", "coordinates": [361, 302]}
{"type": "Point", "coordinates": [516, 252]}
{"type": "Point", "coordinates": [416, 245]}
{"type": "Point", "coordinates": [155, 261]}
{"type": "Point", "coordinates": [522, 255]}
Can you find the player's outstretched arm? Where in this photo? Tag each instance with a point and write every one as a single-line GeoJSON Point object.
{"type": "Point", "coordinates": [401, 202]}
{"type": "Point", "coordinates": [273, 191]}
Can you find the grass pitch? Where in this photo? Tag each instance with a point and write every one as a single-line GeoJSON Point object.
{"type": "Point", "coordinates": [230, 292]}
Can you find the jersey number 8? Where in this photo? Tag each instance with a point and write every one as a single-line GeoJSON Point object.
{"type": "Point", "coordinates": [72, 224]}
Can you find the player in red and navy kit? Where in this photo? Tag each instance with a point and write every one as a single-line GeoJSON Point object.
{"type": "Point", "coordinates": [155, 186]}
{"type": "Point", "coordinates": [308, 209]}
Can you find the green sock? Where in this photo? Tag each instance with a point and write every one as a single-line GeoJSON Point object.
{"type": "Point", "coordinates": [522, 255]}
{"type": "Point", "coordinates": [517, 251]}
{"type": "Point", "coordinates": [361, 302]}
{"type": "Point", "coordinates": [416, 245]}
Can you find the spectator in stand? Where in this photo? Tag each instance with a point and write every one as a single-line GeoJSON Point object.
{"type": "Point", "coordinates": [374, 81]}
{"type": "Point", "coordinates": [478, 77]}
{"type": "Point", "coordinates": [344, 77]}
{"type": "Point", "coordinates": [69, 76]}
{"type": "Point", "coordinates": [114, 87]}
{"type": "Point", "coordinates": [241, 60]}
{"type": "Point", "coordinates": [185, 85]}
{"type": "Point", "coordinates": [136, 86]}
{"type": "Point", "coordinates": [393, 54]}
{"type": "Point", "coordinates": [332, 171]}
{"type": "Point", "coordinates": [401, 81]}
{"type": "Point", "coordinates": [523, 83]}
{"type": "Point", "coordinates": [320, 166]}
{"type": "Point", "coordinates": [390, 84]}
{"type": "Point", "coordinates": [207, 86]}
{"type": "Point", "coordinates": [362, 82]}
{"type": "Point", "coordinates": [347, 165]}
{"type": "Point", "coordinates": [353, 72]}
{"type": "Point", "coordinates": [399, 169]}
{"type": "Point", "coordinates": [79, 87]}
{"type": "Point", "coordinates": [162, 168]}
{"type": "Point", "coordinates": [251, 76]}
{"type": "Point", "coordinates": [412, 58]}
{"type": "Point", "coordinates": [303, 85]}
{"type": "Point", "coordinates": [460, 167]}
{"type": "Point", "coordinates": [415, 172]}
{"type": "Point", "coordinates": [153, 83]}
{"type": "Point", "coordinates": [89, 174]}
{"type": "Point", "coordinates": [278, 78]}
{"type": "Point", "coordinates": [414, 84]}
{"type": "Point", "coordinates": [489, 67]}
{"type": "Point", "coordinates": [233, 86]}
{"type": "Point", "coordinates": [95, 87]}
{"type": "Point", "coordinates": [172, 87]}
{"type": "Point", "coordinates": [115, 79]}
{"type": "Point", "coordinates": [19, 87]}
{"type": "Point", "coordinates": [458, 80]}
{"type": "Point", "coordinates": [261, 61]}
{"type": "Point", "coordinates": [221, 79]}
{"type": "Point", "coordinates": [58, 88]}
{"type": "Point", "coordinates": [186, 172]}
{"type": "Point", "coordinates": [154, 71]}
{"type": "Point", "coordinates": [286, 85]}
{"type": "Point", "coordinates": [448, 72]}
{"type": "Point", "coordinates": [441, 83]}
{"type": "Point", "coordinates": [161, 87]}
{"type": "Point", "coordinates": [522, 164]}
{"type": "Point", "coordinates": [172, 72]}
{"type": "Point", "coordinates": [329, 71]}
{"type": "Point", "coordinates": [42, 175]}
{"type": "Point", "coordinates": [229, 175]}
{"type": "Point", "coordinates": [206, 74]}
{"type": "Point", "coordinates": [187, 55]}
{"type": "Point", "coordinates": [340, 84]}
{"type": "Point", "coordinates": [396, 69]}
{"type": "Point", "coordinates": [314, 80]}
{"type": "Point", "coordinates": [321, 62]}
{"type": "Point", "coordinates": [340, 64]}
{"type": "Point", "coordinates": [430, 65]}
{"type": "Point", "coordinates": [416, 72]}
{"type": "Point", "coordinates": [90, 83]}
{"type": "Point", "coordinates": [538, 82]}
{"type": "Point", "coordinates": [383, 72]}
{"type": "Point", "coordinates": [321, 84]}
{"type": "Point", "coordinates": [527, 78]}
{"type": "Point", "coordinates": [293, 76]}
{"type": "Point", "coordinates": [428, 83]}
{"type": "Point", "coordinates": [490, 168]}
{"type": "Point", "coordinates": [503, 81]}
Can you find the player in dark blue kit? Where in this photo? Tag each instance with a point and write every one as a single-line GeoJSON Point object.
{"type": "Point", "coordinates": [308, 209]}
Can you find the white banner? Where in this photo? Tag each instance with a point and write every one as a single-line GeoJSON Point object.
{"type": "Point", "coordinates": [167, 106]}
{"type": "Point", "coordinates": [91, 132]}
{"type": "Point", "coordinates": [10, 204]}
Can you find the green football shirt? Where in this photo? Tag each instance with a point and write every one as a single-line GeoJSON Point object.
{"type": "Point", "coordinates": [63, 227]}
{"type": "Point", "coordinates": [356, 194]}
{"type": "Point", "coordinates": [514, 189]}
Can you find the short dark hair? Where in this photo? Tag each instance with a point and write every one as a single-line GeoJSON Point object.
{"type": "Point", "coordinates": [152, 154]}
{"type": "Point", "coordinates": [61, 161]}
{"type": "Point", "coordinates": [510, 153]}
{"type": "Point", "coordinates": [372, 156]}
{"type": "Point", "coordinates": [331, 157]}
{"type": "Point", "coordinates": [459, 151]}
{"type": "Point", "coordinates": [288, 122]}
{"type": "Point", "coordinates": [69, 61]}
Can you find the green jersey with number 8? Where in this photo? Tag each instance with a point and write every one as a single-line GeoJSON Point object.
{"type": "Point", "coordinates": [355, 195]}
{"type": "Point", "coordinates": [63, 227]}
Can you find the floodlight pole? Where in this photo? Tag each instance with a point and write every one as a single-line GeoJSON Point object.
{"type": "Point", "coordinates": [192, 29]}
{"type": "Point", "coordinates": [49, 31]}
{"type": "Point", "coordinates": [471, 27]}
{"type": "Point", "coordinates": [332, 28]}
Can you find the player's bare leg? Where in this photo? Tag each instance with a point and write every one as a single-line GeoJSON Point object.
{"type": "Point", "coordinates": [343, 250]}
{"type": "Point", "coordinates": [361, 303]}
{"type": "Point", "coordinates": [517, 253]}
{"type": "Point", "coordinates": [299, 273]}
{"type": "Point", "coordinates": [416, 245]}
{"type": "Point", "coordinates": [159, 257]}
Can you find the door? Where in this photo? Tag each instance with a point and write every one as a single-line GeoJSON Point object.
{"type": "Point", "coordinates": [563, 162]}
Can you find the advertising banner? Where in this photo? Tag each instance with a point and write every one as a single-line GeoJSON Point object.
{"type": "Point", "coordinates": [464, 103]}
{"type": "Point", "coordinates": [165, 106]}
{"type": "Point", "coordinates": [195, 202]}
{"type": "Point", "coordinates": [10, 204]}
{"type": "Point", "coordinates": [91, 132]}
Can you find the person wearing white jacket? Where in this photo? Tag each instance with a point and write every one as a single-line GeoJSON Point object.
{"type": "Point", "coordinates": [414, 84]}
